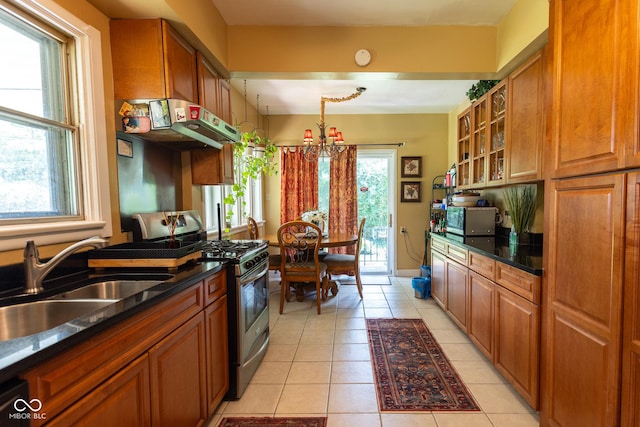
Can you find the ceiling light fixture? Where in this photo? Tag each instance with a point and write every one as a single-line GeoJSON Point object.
{"type": "Point", "coordinates": [330, 145]}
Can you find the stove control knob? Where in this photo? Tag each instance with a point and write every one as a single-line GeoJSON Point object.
{"type": "Point", "coordinates": [249, 263]}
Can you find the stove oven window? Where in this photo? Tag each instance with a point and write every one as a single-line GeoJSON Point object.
{"type": "Point", "coordinates": [254, 300]}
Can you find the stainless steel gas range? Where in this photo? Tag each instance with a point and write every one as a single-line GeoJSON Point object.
{"type": "Point", "coordinates": [248, 296]}
{"type": "Point", "coordinates": [247, 263]}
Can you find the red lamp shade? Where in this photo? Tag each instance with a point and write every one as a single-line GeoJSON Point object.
{"type": "Point", "coordinates": [332, 132]}
{"type": "Point", "coordinates": [308, 136]}
{"type": "Point", "coordinates": [339, 137]}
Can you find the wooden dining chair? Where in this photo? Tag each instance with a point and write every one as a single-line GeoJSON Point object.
{"type": "Point", "coordinates": [254, 234]}
{"type": "Point", "coordinates": [347, 263]}
{"type": "Point", "coordinates": [299, 243]}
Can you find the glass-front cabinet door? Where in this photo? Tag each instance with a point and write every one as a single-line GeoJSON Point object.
{"type": "Point", "coordinates": [479, 142]}
{"type": "Point", "coordinates": [464, 149]}
{"type": "Point", "coordinates": [497, 100]}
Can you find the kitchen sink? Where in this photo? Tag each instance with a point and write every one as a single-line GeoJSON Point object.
{"type": "Point", "coordinates": [108, 289]}
{"type": "Point", "coordinates": [21, 320]}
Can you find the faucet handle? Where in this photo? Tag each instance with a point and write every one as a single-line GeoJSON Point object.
{"type": "Point", "coordinates": [31, 250]}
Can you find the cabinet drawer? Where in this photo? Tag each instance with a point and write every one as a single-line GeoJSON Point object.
{"type": "Point", "coordinates": [458, 254]}
{"type": "Point", "coordinates": [482, 265]}
{"type": "Point", "coordinates": [215, 286]}
{"type": "Point", "coordinates": [438, 245]}
{"type": "Point", "coordinates": [520, 282]}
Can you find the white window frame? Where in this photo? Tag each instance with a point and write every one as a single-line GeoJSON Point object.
{"type": "Point", "coordinates": [92, 134]}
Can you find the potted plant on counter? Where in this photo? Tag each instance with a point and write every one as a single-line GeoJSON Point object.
{"type": "Point", "coordinates": [521, 202]}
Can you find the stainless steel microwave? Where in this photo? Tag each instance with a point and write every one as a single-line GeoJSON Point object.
{"type": "Point", "coordinates": [471, 221]}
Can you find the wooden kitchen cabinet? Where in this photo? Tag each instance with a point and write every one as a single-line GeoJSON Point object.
{"type": "Point", "coordinates": [503, 324]}
{"type": "Point", "coordinates": [517, 343]}
{"type": "Point", "coordinates": [497, 137]}
{"type": "Point", "coordinates": [211, 167]}
{"type": "Point", "coordinates": [464, 149]}
{"type": "Point", "coordinates": [457, 282]}
{"type": "Point", "coordinates": [595, 86]}
{"type": "Point", "coordinates": [178, 377]}
{"type": "Point", "coordinates": [151, 60]}
{"type": "Point", "coordinates": [525, 127]}
{"type": "Point", "coordinates": [217, 339]}
{"type": "Point", "coordinates": [71, 375]}
{"type": "Point", "coordinates": [630, 414]}
{"type": "Point", "coordinates": [121, 401]}
{"type": "Point", "coordinates": [438, 288]}
{"type": "Point", "coordinates": [583, 302]}
{"type": "Point", "coordinates": [481, 316]}
{"type": "Point", "coordinates": [479, 144]}
{"type": "Point", "coordinates": [217, 352]}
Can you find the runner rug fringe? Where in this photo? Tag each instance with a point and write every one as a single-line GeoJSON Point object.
{"type": "Point", "coordinates": [411, 371]}
{"type": "Point", "coordinates": [274, 422]}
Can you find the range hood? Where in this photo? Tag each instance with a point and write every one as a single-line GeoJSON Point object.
{"type": "Point", "coordinates": [178, 124]}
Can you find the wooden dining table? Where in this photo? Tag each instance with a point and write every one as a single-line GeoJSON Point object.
{"type": "Point", "coordinates": [330, 240]}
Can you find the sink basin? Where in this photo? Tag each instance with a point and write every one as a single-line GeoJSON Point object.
{"type": "Point", "coordinates": [110, 289]}
{"type": "Point", "coordinates": [21, 320]}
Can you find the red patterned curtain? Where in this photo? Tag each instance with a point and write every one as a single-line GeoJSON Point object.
{"type": "Point", "coordinates": [343, 199]}
{"type": "Point", "coordinates": [298, 185]}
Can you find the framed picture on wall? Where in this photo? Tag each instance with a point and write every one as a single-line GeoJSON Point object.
{"type": "Point", "coordinates": [411, 191]}
{"type": "Point", "coordinates": [411, 167]}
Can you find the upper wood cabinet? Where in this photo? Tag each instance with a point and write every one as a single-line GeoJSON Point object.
{"type": "Point", "coordinates": [506, 135]}
{"type": "Point", "coordinates": [497, 135]}
{"type": "Point", "coordinates": [526, 121]}
{"type": "Point", "coordinates": [208, 85]}
{"type": "Point", "coordinates": [210, 167]}
{"type": "Point", "coordinates": [151, 60]}
{"type": "Point", "coordinates": [479, 126]}
{"type": "Point", "coordinates": [464, 149]}
{"type": "Point", "coordinates": [595, 86]}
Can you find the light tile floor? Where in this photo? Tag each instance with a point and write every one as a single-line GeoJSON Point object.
{"type": "Point", "coordinates": [319, 365]}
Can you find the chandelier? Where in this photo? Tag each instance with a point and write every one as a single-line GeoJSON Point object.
{"type": "Point", "coordinates": [329, 145]}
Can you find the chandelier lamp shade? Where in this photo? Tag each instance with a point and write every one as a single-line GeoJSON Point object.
{"type": "Point", "coordinates": [329, 144]}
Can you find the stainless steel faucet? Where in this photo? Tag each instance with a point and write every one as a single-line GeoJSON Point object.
{"type": "Point", "coordinates": [35, 270]}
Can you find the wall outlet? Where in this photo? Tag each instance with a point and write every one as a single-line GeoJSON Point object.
{"type": "Point", "coordinates": [403, 230]}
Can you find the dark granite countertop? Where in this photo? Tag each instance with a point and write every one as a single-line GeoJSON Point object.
{"type": "Point", "coordinates": [527, 257]}
{"type": "Point", "coordinates": [18, 355]}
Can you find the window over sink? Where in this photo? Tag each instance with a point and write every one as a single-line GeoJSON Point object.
{"type": "Point", "coordinates": [53, 168]}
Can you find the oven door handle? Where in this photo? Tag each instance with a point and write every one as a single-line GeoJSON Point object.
{"type": "Point", "coordinates": [255, 276]}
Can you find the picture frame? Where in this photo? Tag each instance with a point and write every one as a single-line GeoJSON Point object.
{"type": "Point", "coordinates": [411, 167]}
{"type": "Point", "coordinates": [124, 148]}
{"type": "Point", "coordinates": [411, 191]}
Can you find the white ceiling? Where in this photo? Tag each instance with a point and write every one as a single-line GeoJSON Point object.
{"type": "Point", "coordinates": [385, 94]}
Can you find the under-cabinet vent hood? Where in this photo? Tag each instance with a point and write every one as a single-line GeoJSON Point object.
{"type": "Point", "coordinates": [178, 124]}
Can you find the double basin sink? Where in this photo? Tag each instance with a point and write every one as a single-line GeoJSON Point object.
{"type": "Point", "coordinates": [21, 320]}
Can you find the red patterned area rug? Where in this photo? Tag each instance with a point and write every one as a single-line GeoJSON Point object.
{"type": "Point", "coordinates": [274, 422]}
{"type": "Point", "coordinates": [411, 371]}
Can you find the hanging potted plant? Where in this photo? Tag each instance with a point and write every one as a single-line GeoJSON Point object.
{"type": "Point", "coordinates": [252, 155]}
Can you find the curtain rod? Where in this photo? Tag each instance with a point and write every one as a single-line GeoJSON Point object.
{"type": "Point", "coordinates": [398, 144]}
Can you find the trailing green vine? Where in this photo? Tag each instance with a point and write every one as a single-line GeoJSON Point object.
{"type": "Point", "coordinates": [248, 166]}
{"type": "Point", "coordinates": [480, 88]}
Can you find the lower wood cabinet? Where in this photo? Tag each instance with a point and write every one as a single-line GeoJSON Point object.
{"type": "Point", "coordinates": [517, 343]}
{"type": "Point", "coordinates": [456, 279]}
{"type": "Point", "coordinates": [504, 325]}
{"type": "Point", "coordinates": [121, 401]}
{"type": "Point", "coordinates": [217, 352]}
{"type": "Point", "coordinates": [438, 288]}
{"type": "Point", "coordinates": [178, 377]}
{"type": "Point", "coordinates": [166, 366]}
{"type": "Point", "coordinates": [481, 308]}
